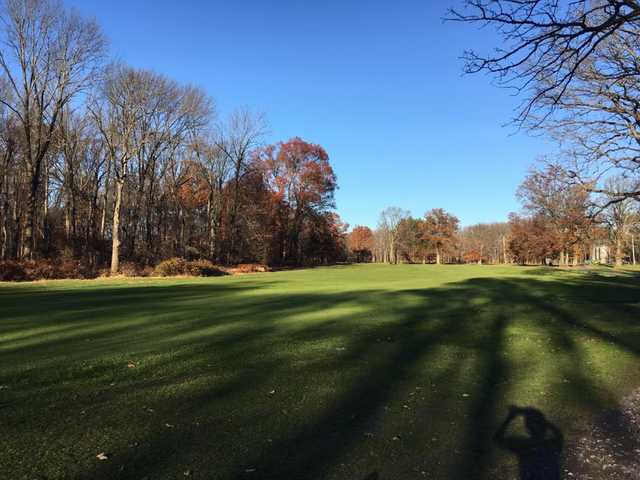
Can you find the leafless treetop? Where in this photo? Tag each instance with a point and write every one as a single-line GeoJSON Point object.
{"type": "Point", "coordinates": [544, 42]}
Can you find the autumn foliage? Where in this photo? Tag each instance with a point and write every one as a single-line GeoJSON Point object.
{"type": "Point", "coordinates": [360, 243]}
{"type": "Point", "coordinates": [439, 230]}
{"type": "Point", "coordinates": [298, 187]}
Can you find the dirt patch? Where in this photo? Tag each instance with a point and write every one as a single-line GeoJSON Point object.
{"type": "Point", "coordinates": [611, 449]}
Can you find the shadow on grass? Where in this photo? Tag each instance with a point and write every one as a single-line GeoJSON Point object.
{"type": "Point", "coordinates": [239, 381]}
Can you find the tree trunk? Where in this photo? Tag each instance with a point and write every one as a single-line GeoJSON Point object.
{"type": "Point", "coordinates": [115, 233]}
{"type": "Point", "coordinates": [234, 211]}
{"type": "Point", "coordinates": [46, 237]}
{"type": "Point", "coordinates": [30, 220]}
{"type": "Point", "coordinates": [618, 252]}
{"type": "Point", "coordinates": [103, 219]}
{"type": "Point", "coordinates": [4, 220]}
{"type": "Point", "coordinates": [633, 250]}
{"type": "Point", "coordinates": [4, 234]}
{"type": "Point", "coordinates": [211, 231]}
{"type": "Point", "coordinates": [16, 220]}
{"type": "Point", "coordinates": [504, 250]}
{"type": "Point", "coordinates": [438, 259]}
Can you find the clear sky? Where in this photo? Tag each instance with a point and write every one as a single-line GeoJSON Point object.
{"type": "Point", "coordinates": [379, 84]}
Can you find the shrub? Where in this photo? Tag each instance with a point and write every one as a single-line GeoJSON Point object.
{"type": "Point", "coordinates": [40, 270]}
{"type": "Point", "coordinates": [86, 270]}
{"type": "Point", "coordinates": [172, 267]}
{"type": "Point", "coordinates": [11, 271]}
{"type": "Point", "coordinates": [196, 268]}
{"type": "Point", "coordinates": [251, 268]}
{"type": "Point", "coordinates": [203, 268]}
{"type": "Point", "coordinates": [68, 268]}
{"type": "Point", "coordinates": [44, 269]}
{"type": "Point", "coordinates": [147, 271]}
{"type": "Point", "coordinates": [131, 269]}
{"type": "Point", "coordinates": [103, 272]}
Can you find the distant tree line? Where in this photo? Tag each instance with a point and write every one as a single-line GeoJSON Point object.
{"type": "Point", "coordinates": [554, 228]}
{"type": "Point", "coordinates": [434, 238]}
{"type": "Point", "coordinates": [103, 162]}
{"type": "Point", "coordinates": [400, 238]}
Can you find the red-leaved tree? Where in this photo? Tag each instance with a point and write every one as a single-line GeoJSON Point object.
{"type": "Point", "coordinates": [302, 183]}
{"type": "Point", "coordinates": [360, 243]}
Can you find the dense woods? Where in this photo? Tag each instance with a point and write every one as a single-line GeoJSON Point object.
{"type": "Point", "coordinates": [104, 163]}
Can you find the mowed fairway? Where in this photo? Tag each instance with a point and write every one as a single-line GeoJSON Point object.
{"type": "Point", "coordinates": [327, 373]}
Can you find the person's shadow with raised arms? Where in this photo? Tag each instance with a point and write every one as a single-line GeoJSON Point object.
{"type": "Point", "coordinates": [539, 451]}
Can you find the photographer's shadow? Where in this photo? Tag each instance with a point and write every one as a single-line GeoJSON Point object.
{"type": "Point", "coordinates": [539, 450]}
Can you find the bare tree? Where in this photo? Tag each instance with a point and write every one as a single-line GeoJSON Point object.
{"type": "Point", "coordinates": [215, 168]}
{"type": "Point", "coordinates": [544, 43]}
{"type": "Point", "coordinates": [634, 228]}
{"type": "Point", "coordinates": [116, 111]}
{"type": "Point", "coordinates": [619, 217]}
{"type": "Point", "coordinates": [390, 219]}
{"type": "Point", "coordinates": [576, 66]}
{"type": "Point", "coordinates": [484, 242]}
{"type": "Point", "coordinates": [597, 121]}
{"type": "Point", "coordinates": [8, 147]}
{"type": "Point", "coordinates": [144, 119]}
{"type": "Point", "coordinates": [173, 114]}
{"type": "Point", "coordinates": [236, 139]}
{"type": "Point", "coordinates": [48, 56]}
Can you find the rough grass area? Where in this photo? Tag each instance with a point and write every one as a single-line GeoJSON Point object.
{"type": "Point", "coordinates": [327, 373]}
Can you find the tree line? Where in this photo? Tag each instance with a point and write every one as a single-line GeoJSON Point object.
{"type": "Point", "coordinates": [402, 238]}
{"type": "Point", "coordinates": [555, 228]}
{"type": "Point", "coordinates": [103, 162]}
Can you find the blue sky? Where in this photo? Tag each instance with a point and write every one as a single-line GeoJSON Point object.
{"type": "Point", "coordinates": [378, 84]}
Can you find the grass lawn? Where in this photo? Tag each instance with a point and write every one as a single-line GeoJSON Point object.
{"type": "Point", "coordinates": [327, 373]}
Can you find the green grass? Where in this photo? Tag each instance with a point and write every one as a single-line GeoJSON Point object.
{"type": "Point", "coordinates": [327, 373]}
